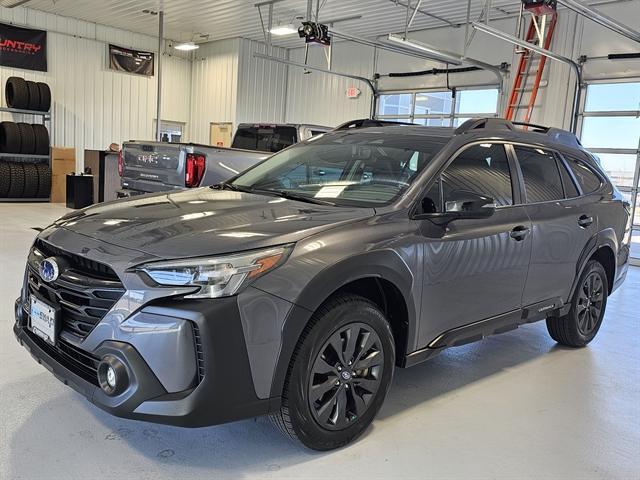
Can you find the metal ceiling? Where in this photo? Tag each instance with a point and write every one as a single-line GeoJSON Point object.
{"type": "Point", "coordinates": [202, 20]}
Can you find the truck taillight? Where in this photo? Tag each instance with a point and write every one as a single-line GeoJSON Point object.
{"type": "Point", "coordinates": [120, 163]}
{"type": "Point", "coordinates": [194, 170]}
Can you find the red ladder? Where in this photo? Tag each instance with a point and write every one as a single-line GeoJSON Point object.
{"type": "Point", "coordinates": [525, 67]}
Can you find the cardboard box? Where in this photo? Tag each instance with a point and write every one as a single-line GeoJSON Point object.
{"type": "Point", "coordinates": [63, 161]}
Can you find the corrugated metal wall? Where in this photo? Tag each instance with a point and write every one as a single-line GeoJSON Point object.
{"type": "Point", "coordinates": [214, 87]}
{"type": "Point", "coordinates": [92, 105]}
{"type": "Point", "coordinates": [262, 85]}
{"type": "Point", "coordinates": [321, 98]}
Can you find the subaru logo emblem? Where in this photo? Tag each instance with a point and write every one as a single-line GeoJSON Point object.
{"type": "Point", "coordinates": [49, 270]}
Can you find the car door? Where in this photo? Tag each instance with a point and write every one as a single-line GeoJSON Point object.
{"type": "Point", "coordinates": [474, 269]}
{"type": "Point", "coordinates": [563, 222]}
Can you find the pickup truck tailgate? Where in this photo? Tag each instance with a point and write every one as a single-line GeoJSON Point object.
{"type": "Point", "coordinates": [155, 165]}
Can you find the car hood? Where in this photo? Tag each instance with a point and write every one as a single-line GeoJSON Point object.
{"type": "Point", "coordinates": [204, 221]}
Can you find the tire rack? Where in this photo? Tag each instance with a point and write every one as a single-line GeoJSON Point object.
{"type": "Point", "coordinates": [46, 117]}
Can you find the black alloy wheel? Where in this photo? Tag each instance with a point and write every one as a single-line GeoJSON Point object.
{"type": "Point", "coordinates": [339, 374]}
{"type": "Point", "coordinates": [345, 376]}
{"type": "Point", "coordinates": [583, 320]}
{"type": "Point", "coordinates": [590, 302]}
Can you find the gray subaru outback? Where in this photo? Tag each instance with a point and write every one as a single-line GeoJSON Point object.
{"type": "Point", "coordinates": [295, 288]}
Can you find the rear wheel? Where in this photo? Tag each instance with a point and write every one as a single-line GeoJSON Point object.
{"type": "Point", "coordinates": [581, 324]}
{"type": "Point", "coordinates": [339, 375]}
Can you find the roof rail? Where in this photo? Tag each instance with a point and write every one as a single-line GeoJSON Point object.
{"type": "Point", "coordinates": [368, 122]}
{"type": "Point", "coordinates": [558, 135]}
{"type": "Point", "coordinates": [492, 123]}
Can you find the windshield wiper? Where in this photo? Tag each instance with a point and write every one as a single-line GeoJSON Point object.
{"type": "Point", "coordinates": [293, 196]}
{"type": "Point", "coordinates": [232, 186]}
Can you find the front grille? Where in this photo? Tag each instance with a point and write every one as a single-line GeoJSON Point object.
{"type": "Point", "coordinates": [81, 264]}
{"type": "Point", "coordinates": [72, 358]}
{"type": "Point", "coordinates": [84, 292]}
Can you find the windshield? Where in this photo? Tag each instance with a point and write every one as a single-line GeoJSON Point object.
{"type": "Point", "coordinates": [350, 168]}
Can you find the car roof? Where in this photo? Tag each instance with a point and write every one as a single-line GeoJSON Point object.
{"type": "Point", "coordinates": [483, 127]}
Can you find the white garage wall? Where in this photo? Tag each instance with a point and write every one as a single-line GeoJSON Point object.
{"type": "Point", "coordinates": [262, 85]}
{"type": "Point", "coordinates": [321, 98]}
{"type": "Point", "coordinates": [214, 87]}
{"type": "Point", "coordinates": [92, 105]}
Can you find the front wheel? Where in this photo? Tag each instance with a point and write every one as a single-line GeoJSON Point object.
{"type": "Point", "coordinates": [339, 375]}
{"type": "Point", "coordinates": [581, 324]}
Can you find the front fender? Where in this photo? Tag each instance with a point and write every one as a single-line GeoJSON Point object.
{"type": "Point", "coordinates": [384, 264]}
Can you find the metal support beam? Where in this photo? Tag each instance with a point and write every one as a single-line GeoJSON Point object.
{"type": "Point", "coordinates": [547, 53]}
{"type": "Point", "coordinates": [368, 82]}
{"type": "Point", "coordinates": [160, 51]}
{"type": "Point", "coordinates": [604, 20]}
{"type": "Point", "coordinates": [424, 12]}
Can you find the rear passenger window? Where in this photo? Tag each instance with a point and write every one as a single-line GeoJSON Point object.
{"type": "Point", "coordinates": [482, 169]}
{"type": "Point", "coordinates": [541, 176]}
{"type": "Point", "coordinates": [570, 189]}
{"type": "Point", "coordinates": [589, 181]}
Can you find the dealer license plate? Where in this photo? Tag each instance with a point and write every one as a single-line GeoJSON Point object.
{"type": "Point", "coordinates": [43, 320]}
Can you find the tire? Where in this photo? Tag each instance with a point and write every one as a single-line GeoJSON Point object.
{"type": "Point", "coordinates": [10, 140]}
{"type": "Point", "coordinates": [578, 327]}
{"type": "Point", "coordinates": [41, 135]}
{"type": "Point", "coordinates": [16, 93]}
{"type": "Point", "coordinates": [34, 95]}
{"type": "Point", "coordinates": [44, 180]}
{"type": "Point", "coordinates": [30, 180]}
{"type": "Point", "coordinates": [316, 366]}
{"type": "Point", "coordinates": [16, 189]}
{"type": "Point", "coordinates": [5, 179]}
{"type": "Point", "coordinates": [45, 97]}
{"type": "Point", "coordinates": [27, 138]}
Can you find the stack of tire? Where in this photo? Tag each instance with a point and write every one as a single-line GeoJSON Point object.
{"type": "Point", "coordinates": [22, 178]}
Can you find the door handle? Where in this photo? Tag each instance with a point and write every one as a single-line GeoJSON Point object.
{"type": "Point", "coordinates": [585, 220]}
{"type": "Point", "coordinates": [519, 233]}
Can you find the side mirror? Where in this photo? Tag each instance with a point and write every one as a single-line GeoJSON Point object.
{"type": "Point", "coordinates": [465, 204]}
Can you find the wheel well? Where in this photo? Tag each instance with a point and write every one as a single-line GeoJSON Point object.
{"type": "Point", "coordinates": [390, 300]}
{"type": "Point", "coordinates": [607, 259]}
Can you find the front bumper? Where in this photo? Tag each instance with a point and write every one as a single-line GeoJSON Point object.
{"type": "Point", "coordinates": [224, 392]}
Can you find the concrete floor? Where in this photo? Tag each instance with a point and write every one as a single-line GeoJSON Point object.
{"type": "Point", "coordinates": [512, 406]}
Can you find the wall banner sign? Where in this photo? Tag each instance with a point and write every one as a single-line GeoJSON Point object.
{"type": "Point", "coordinates": [131, 61]}
{"type": "Point", "coordinates": [23, 48]}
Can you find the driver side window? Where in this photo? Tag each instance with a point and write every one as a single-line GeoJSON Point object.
{"type": "Point", "coordinates": [479, 171]}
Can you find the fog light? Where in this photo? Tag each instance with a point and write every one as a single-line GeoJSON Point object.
{"type": "Point", "coordinates": [112, 375]}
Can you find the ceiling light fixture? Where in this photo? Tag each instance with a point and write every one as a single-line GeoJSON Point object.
{"type": "Point", "coordinates": [283, 29]}
{"type": "Point", "coordinates": [186, 46]}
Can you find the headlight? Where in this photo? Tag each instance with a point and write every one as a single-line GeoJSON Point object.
{"type": "Point", "coordinates": [217, 276]}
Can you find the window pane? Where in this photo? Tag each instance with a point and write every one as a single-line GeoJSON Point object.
{"type": "Point", "coordinates": [611, 132]}
{"type": "Point", "coordinates": [635, 243]}
{"type": "Point", "coordinates": [570, 189]}
{"type": "Point", "coordinates": [433, 122]}
{"type": "Point", "coordinates": [481, 169]}
{"type": "Point", "coordinates": [541, 176]}
{"type": "Point", "coordinates": [396, 104]}
{"type": "Point", "coordinates": [619, 167]}
{"type": "Point", "coordinates": [477, 101]}
{"type": "Point", "coordinates": [401, 120]}
{"type": "Point", "coordinates": [589, 181]}
{"type": "Point", "coordinates": [613, 97]}
{"type": "Point", "coordinates": [433, 102]}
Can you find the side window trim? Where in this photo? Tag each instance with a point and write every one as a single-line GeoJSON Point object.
{"type": "Point", "coordinates": [562, 163]}
{"type": "Point", "coordinates": [558, 156]}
